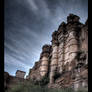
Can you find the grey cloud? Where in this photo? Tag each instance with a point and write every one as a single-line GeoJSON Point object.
{"type": "Point", "coordinates": [29, 25]}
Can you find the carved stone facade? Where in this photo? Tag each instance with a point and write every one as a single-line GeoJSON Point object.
{"type": "Point", "coordinates": [66, 57]}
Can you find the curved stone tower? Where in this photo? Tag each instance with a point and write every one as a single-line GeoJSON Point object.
{"type": "Point", "coordinates": [72, 42]}
{"type": "Point", "coordinates": [46, 49]}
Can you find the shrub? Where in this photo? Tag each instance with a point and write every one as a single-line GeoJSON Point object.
{"type": "Point", "coordinates": [44, 81]}
{"type": "Point", "coordinates": [30, 87]}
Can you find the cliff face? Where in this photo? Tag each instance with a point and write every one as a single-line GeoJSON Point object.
{"type": "Point", "coordinates": [65, 62]}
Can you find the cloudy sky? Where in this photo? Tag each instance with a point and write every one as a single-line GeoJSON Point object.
{"type": "Point", "coordinates": [29, 25]}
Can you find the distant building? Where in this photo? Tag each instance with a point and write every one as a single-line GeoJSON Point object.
{"type": "Point", "coordinates": [20, 74]}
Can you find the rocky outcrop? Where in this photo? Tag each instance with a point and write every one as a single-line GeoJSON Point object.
{"type": "Point", "coordinates": [65, 61]}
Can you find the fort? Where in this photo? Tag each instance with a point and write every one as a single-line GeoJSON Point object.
{"type": "Point", "coordinates": [66, 57]}
{"type": "Point", "coordinates": [65, 61]}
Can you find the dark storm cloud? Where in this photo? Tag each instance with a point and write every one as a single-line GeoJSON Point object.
{"type": "Point", "coordinates": [29, 25]}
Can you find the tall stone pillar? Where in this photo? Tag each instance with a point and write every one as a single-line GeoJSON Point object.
{"type": "Point", "coordinates": [54, 60]}
{"type": "Point", "coordinates": [45, 60]}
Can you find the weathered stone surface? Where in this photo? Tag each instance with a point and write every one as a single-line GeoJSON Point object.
{"type": "Point", "coordinates": [65, 62]}
{"type": "Point", "coordinates": [34, 73]}
{"type": "Point", "coordinates": [41, 68]}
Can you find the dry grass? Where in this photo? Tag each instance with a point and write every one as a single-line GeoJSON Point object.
{"type": "Point", "coordinates": [30, 87]}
